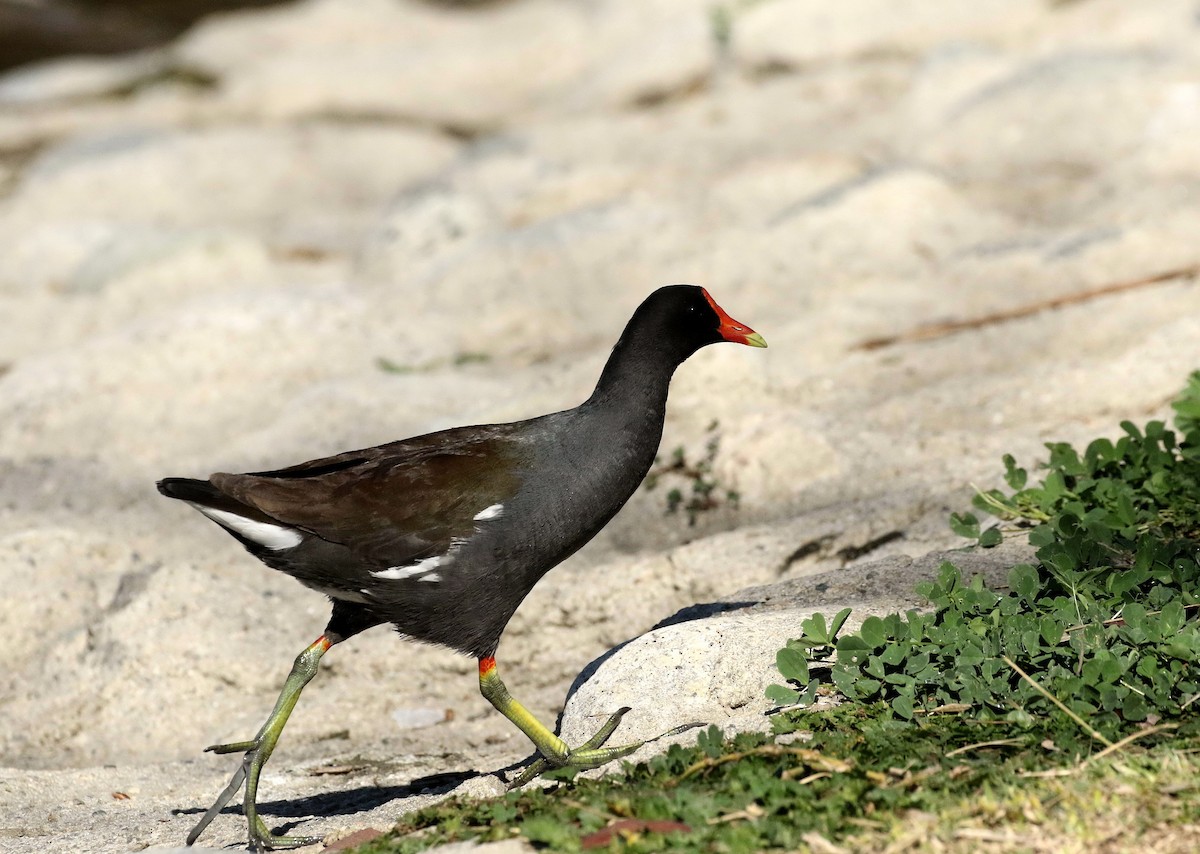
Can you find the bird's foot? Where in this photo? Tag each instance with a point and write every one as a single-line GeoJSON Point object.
{"type": "Point", "coordinates": [260, 836]}
{"type": "Point", "coordinates": [259, 749]}
{"type": "Point", "coordinates": [262, 839]}
{"type": "Point", "coordinates": [592, 753]}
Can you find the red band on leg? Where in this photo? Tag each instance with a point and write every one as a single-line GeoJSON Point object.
{"type": "Point", "coordinates": [323, 643]}
{"type": "Point", "coordinates": [486, 665]}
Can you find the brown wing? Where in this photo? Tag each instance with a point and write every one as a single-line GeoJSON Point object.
{"type": "Point", "coordinates": [395, 504]}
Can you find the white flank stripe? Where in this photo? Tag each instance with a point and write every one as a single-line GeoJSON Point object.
{"type": "Point", "coordinates": [492, 512]}
{"type": "Point", "coordinates": [274, 537]}
{"type": "Point", "coordinates": [419, 568]}
{"type": "Point", "coordinates": [335, 593]}
{"type": "Point", "coordinates": [433, 576]}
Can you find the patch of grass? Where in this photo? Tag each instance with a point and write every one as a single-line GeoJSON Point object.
{"type": "Point", "coordinates": [855, 776]}
{"type": "Point", "coordinates": [1057, 713]}
{"type": "Point", "coordinates": [1100, 634]}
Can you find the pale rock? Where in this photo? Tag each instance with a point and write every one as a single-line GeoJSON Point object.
{"type": "Point", "coordinates": [943, 80]}
{"type": "Point", "coordinates": [77, 78]}
{"type": "Point", "coordinates": [668, 51]}
{"type": "Point", "coordinates": [162, 103]}
{"type": "Point", "coordinates": [76, 280]}
{"type": "Point", "coordinates": [88, 256]}
{"type": "Point", "coordinates": [757, 192]}
{"type": "Point", "coordinates": [1031, 134]}
{"type": "Point", "coordinates": [407, 58]}
{"type": "Point", "coordinates": [313, 186]}
{"type": "Point", "coordinates": [406, 61]}
{"type": "Point", "coordinates": [45, 255]}
{"type": "Point", "coordinates": [894, 222]}
{"type": "Point", "coordinates": [1115, 24]}
{"type": "Point", "coordinates": [1169, 152]}
{"type": "Point", "coordinates": [801, 32]}
{"type": "Point", "coordinates": [422, 231]}
{"type": "Point", "coordinates": [772, 458]}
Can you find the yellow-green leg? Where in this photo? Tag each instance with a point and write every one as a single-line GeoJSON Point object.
{"type": "Point", "coordinates": [555, 753]}
{"type": "Point", "coordinates": [259, 749]}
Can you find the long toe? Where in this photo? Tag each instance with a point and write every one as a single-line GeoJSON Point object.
{"type": "Point", "coordinates": [532, 771]}
{"type": "Point", "coordinates": [261, 839]}
{"type": "Point", "coordinates": [605, 732]}
{"type": "Point", "coordinates": [234, 747]}
{"type": "Point", "coordinates": [591, 754]}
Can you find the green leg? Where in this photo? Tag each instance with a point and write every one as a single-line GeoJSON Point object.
{"type": "Point", "coordinates": [555, 752]}
{"type": "Point", "coordinates": [259, 750]}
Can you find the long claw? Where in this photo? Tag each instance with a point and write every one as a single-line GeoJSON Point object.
{"type": "Point", "coordinates": [222, 799]}
{"type": "Point", "coordinates": [677, 730]}
{"type": "Point", "coordinates": [605, 732]}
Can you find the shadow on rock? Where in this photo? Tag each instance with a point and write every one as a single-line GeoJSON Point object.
{"type": "Point", "coordinates": [348, 801]}
{"type": "Point", "coordinates": [684, 615]}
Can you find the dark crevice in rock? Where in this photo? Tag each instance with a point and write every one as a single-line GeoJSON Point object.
{"type": "Point", "coordinates": [849, 553]}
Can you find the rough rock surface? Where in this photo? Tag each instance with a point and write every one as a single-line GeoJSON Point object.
{"type": "Point", "coordinates": [339, 222]}
{"type": "Point", "coordinates": [711, 663]}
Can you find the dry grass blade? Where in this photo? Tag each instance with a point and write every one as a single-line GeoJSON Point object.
{"type": "Point", "coordinates": [821, 845]}
{"type": "Point", "coordinates": [941, 330]}
{"type": "Point", "coordinates": [752, 812]}
{"type": "Point", "coordinates": [946, 709]}
{"type": "Point", "coordinates": [979, 834]}
{"type": "Point", "coordinates": [1000, 742]}
{"type": "Point", "coordinates": [1061, 705]}
{"type": "Point", "coordinates": [1128, 740]}
{"type": "Point", "coordinates": [811, 758]}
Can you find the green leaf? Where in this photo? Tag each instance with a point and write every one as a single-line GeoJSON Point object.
{"type": "Point", "coordinates": [844, 682]}
{"type": "Point", "coordinates": [948, 576]}
{"type": "Point", "coordinates": [808, 695]}
{"type": "Point", "coordinates": [1024, 581]}
{"type": "Point", "coordinates": [903, 706]}
{"type": "Point", "coordinates": [551, 832]}
{"type": "Point", "coordinates": [868, 688]}
{"type": "Point", "coordinates": [814, 628]}
{"type": "Point", "coordinates": [873, 632]}
{"type": "Point", "coordinates": [1051, 631]}
{"type": "Point", "coordinates": [1054, 488]}
{"type": "Point", "coordinates": [991, 538]}
{"type": "Point", "coordinates": [781, 695]}
{"type": "Point", "coordinates": [711, 740]}
{"type": "Point", "coordinates": [1015, 477]}
{"type": "Point", "coordinates": [1172, 618]}
{"type": "Point", "coordinates": [1135, 708]}
{"type": "Point", "coordinates": [965, 525]}
{"type": "Point", "coordinates": [839, 620]}
{"type": "Point", "coordinates": [1042, 535]}
{"type": "Point", "coordinates": [792, 664]}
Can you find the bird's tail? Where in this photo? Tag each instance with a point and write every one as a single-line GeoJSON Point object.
{"type": "Point", "coordinates": [203, 493]}
{"type": "Point", "coordinates": [189, 489]}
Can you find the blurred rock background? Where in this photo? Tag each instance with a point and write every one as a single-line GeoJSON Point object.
{"type": "Point", "coordinates": [298, 229]}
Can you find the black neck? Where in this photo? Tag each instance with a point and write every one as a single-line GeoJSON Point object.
{"type": "Point", "coordinates": [636, 378]}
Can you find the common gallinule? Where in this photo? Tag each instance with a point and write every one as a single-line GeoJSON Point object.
{"type": "Point", "coordinates": [443, 535]}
